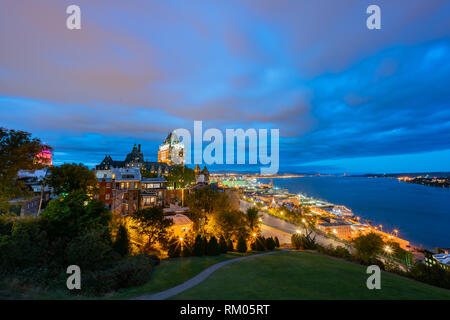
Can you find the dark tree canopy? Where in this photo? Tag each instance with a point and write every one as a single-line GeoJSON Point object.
{"type": "Point", "coordinates": [18, 151]}
{"type": "Point", "coordinates": [180, 177]}
{"type": "Point", "coordinates": [72, 177]}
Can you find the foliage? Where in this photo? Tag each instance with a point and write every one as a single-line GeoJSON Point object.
{"type": "Point", "coordinates": [304, 241]}
{"type": "Point", "coordinates": [260, 244]}
{"type": "Point", "coordinates": [223, 245]}
{"type": "Point", "coordinates": [270, 243]}
{"type": "Point", "coordinates": [130, 272]}
{"type": "Point", "coordinates": [338, 252]}
{"type": "Point", "coordinates": [148, 174]}
{"type": "Point", "coordinates": [174, 247]}
{"type": "Point", "coordinates": [199, 246]}
{"type": "Point", "coordinates": [121, 244]}
{"type": "Point", "coordinates": [17, 152]}
{"type": "Point", "coordinates": [180, 177]}
{"type": "Point", "coordinates": [203, 203]}
{"type": "Point", "coordinates": [66, 217]}
{"type": "Point", "coordinates": [296, 241]}
{"type": "Point", "coordinates": [434, 275]}
{"type": "Point", "coordinates": [153, 225]}
{"type": "Point", "coordinates": [69, 178]}
{"type": "Point", "coordinates": [241, 244]}
{"type": "Point", "coordinates": [252, 220]}
{"type": "Point", "coordinates": [277, 242]}
{"type": "Point", "coordinates": [91, 250]}
{"type": "Point", "coordinates": [368, 246]}
{"type": "Point", "coordinates": [230, 246]}
{"type": "Point", "coordinates": [213, 247]}
{"type": "Point", "coordinates": [229, 223]}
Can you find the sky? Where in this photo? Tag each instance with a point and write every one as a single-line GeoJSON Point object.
{"type": "Point", "coordinates": [345, 98]}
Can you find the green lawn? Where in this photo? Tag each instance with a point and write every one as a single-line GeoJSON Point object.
{"type": "Point", "coordinates": [173, 272]}
{"type": "Point", "coordinates": [169, 273]}
{"type": "Point", "coordinates": [304, 275]}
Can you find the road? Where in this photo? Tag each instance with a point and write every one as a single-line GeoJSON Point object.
{"type": "Point", "coordinates": [291, 228]}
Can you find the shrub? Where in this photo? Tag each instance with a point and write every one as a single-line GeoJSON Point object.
{"type": "Point", "coordinates": [122, 243]}
{"type": "Point", "coordinates": [223, 245]}
{"type": "Point", "coordinates": [92, 250]}
{"type": "Point", "coordinates": [241, 245]}
{"type": "Point", "coordinates": [199, 246]}
{"type": "Point", "coordinates": [174, 247]}
{"type": "Point", "coordinates": [296, 241]}
{"type": "Point", "coordinates": [277, 242]}
{"type": "Point", "coordinates": [230, 246]}
{"type": "Point", "coordinates": [368, 247]}
{"type": "Point", "coordinates": [129, 272]}
{"type": "Point", "coordinates": [260, 243]}
{"type": "Point", "coordinates": [213, 247]}
{"type": "Point", "coordinates": [434, 275]}
{"type": "Point", "coordinates": [270, 243]}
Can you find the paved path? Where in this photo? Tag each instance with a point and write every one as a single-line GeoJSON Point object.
{"type": "Point", "coordinates": [198, 278]}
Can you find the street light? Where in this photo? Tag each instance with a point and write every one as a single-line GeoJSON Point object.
{"type": "Point", "coordinates": [298, 231]}
{"type": "Point", "coordinates": [388, 249]}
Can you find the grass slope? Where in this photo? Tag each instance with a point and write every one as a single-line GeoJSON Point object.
{"type": "Point", "coordinates": [304, 275]}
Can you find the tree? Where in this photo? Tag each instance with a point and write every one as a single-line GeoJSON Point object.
{"type": "Point", "coordinates": [277, 242]}
{"type": "Point", "coordinates": [173, 247]}
{"type": "Point", "coordinates": [153, 225]}
{"type": "Point", "coordinates": [180, 177]}
{"type": "Point", "coordinates": [296, 241]}
{"type": "Point", "coordinates": [67, 217]}
{"type": "Point", "coordinates": [229, 223]}
{"type": "Point", "coordinates": [223, 245]}
{"type": "Point", "coordinates": [203, 203]}
{"type": "Point", "coordinates": [148, 174]}
{"type": "Point", "coordinates": [68, 178]}
{"type": "Point", "coordinates": [241, 245]}
{"type": "Point", "coordinates": [368, 246]}
{"type": "Point", "coordinates": [252, 220]}
{"type": "Point", "coordinates": [199, 246]}
{"type": "Point", "coordinates": [270, 243]}
{"type": "Point", "coordinates": [230, 246]}
{"type": "Point", "coordinates": [18, 151]}
{"type": "Point", "coordinates": [122, 243]}
{"type": "Point", "coordinates": [213, 247]}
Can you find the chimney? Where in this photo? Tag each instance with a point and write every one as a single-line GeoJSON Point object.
{"type": "Point", "coordinates": [139, 147]}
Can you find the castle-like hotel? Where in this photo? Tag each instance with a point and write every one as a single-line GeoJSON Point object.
{"type": "Point", "coordinates": [131, 184]}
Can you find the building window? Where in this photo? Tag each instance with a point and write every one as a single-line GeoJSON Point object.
{"type": "Point", "coordinates": [107, 196]}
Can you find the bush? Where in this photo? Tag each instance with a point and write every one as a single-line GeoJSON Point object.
{"type": "Point", "coordinates": [433, 275]}
{"type": "Point", "coordinates": [174, 247]}
{"type": "Point", "coordinates": [260, 243]}
{"type": "Point", "coordinates": [277, 242]}
{"type": "Point", "coordinates": [296, 241]}
{"type": "Point", "coordinates": [270, 243]}
{"type": "Point", "coordinates": [213, 247]}
{"type": "Point", "coordinates": [122, 243]}
{"type": "Point", "coordinates": [223, 245]}
{"type": "Point", "coordinates": [241, 245]}
{"type": "Point", "coordinates": [199, 246]}
{"type": "Point", "coordinates": [92, 250]}
{"type": "Point", "coordinates": [129, 272]}
{"type": "Point", "coordinates": [368, 246]}
{"type": "Point", "coordinates": [230, 246]}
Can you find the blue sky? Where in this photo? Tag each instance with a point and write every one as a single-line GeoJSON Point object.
{"type": "Point", "coordinates": [345, 98]}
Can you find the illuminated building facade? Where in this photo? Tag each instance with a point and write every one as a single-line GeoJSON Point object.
{"type": "Point", "coordinates": [171, 151]}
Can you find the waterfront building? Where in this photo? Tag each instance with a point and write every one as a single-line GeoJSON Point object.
{"type": "Point", "coordinates": [171, 151]}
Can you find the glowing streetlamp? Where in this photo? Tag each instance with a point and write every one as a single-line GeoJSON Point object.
{"type": "Point", "coordinates": [388, 249]}
{"type": "Point", "coordinates": [298, 231]}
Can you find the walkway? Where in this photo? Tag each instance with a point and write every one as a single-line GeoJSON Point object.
{"type": "Point", "coordinates": [197, 279]}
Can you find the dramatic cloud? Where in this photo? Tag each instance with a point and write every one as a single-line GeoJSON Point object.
{"type": "Point", "coordinates": [137, 70]}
